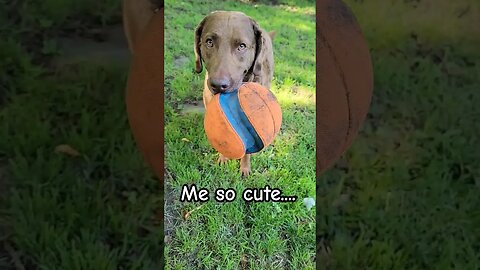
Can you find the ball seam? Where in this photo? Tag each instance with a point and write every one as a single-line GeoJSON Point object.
{"type": "Point", "coordinates": [271, 113]}
{"type": "Point", "coordinates": [343, 79]}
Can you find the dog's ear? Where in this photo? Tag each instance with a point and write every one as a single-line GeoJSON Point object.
{"type": "Point", "coordinates": [272, 34]}
{"type": "Point", "coordinates": [198, 54]}
{"type": "Point", "coordinates": [259, 48]}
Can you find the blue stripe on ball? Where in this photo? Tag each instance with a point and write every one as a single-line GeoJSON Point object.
{"type": "Point", "coordinates": [239, 121]}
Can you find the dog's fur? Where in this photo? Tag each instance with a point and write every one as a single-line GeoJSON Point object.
{"type": "Point", "coordinates": [231, 46]}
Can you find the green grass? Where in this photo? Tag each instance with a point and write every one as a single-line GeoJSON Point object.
{"type": "Point", "coordinates": [96, 211]}
{"type": "Point", "coordinates": [237, 234]}
{"type": "Point", "coordinates": [405, 195]}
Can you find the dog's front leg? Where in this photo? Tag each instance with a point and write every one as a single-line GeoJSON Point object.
{"type": "Point", "coordinates": [222, 159]}
{"type": "Point", "coordinates": [245, 165]}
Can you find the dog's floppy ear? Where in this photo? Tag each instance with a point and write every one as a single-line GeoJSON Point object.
{"type": "Point", "coordinates": [256, 67]}
{"type": "Point", "coordinates": [198, 54]}
{"type": "Point", "coordinates": [272, 34]}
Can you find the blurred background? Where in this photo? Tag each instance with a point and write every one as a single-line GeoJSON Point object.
{"type": "Point", "coordinates": [405, 195]}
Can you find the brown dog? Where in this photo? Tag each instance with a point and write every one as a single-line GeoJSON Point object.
{"type": "Point", "coordinates": [232, 46]}
{"type": "Point", "coordinates": [235, 50]}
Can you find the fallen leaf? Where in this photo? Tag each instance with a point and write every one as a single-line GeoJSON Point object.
{"type": "Point", "coordinates": [186, 215]}
{"type": "Point", "coordinates": [66, 149]}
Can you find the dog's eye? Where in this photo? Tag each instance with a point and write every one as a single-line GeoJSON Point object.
{"type": "Point", "coordinates": [242, 47]}
{"type": "Point", "coordinates": [209, 42]}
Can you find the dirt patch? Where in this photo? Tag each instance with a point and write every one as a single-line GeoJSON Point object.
{"type": "Point", "coordinates": [171, 214]}
{"type": "Point", "coordinates": [180, 61]}
{"type": "Point", "coordinates": [188, 108]}
{"type": "Point", "coordinates": [264, 2]}
{"type": "Point", "coordinates": [107, 46]}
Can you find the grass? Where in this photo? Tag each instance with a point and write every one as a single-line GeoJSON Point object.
{"type": "Point", "coordinates": [405, 195]}
{"type": "Point", "coordinates": [95, 211]}
{"type": "Point", "coordinates": [240, 235]}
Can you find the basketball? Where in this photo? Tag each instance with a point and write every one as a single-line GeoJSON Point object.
{"type": "Point", "coordinates": [144, 94]}
{"type": "Point", "coordinates": [344, 81]}
{"type": "Point", "coordinates": [242, 122]}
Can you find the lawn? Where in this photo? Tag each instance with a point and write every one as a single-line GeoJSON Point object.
{"type": "Point", "coordinates": [404, 196]}
{"type": "Point", "coordinates": [237, 234]}
{"type": "Point", "coordinates": [95, 209]}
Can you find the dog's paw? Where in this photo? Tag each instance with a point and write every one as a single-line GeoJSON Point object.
{"type": "Point", "coordinates": [222, 160]}
{"type": "Point", "coordinates": [245, 168]}
{"type": "Point", "coordinates": [245, 171]}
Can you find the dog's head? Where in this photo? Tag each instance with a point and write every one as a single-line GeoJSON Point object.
{"type": "Point", "coordinates": [230, 45]}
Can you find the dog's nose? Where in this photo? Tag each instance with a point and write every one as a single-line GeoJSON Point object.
{"type": "Point", "coordinates": [219, 85]}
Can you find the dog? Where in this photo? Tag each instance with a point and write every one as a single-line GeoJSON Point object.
{"type": "Point", "coordinates": [232, 47]}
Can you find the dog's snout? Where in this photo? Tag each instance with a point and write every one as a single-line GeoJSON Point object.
{"type": "Point", "coordinates": [220, 84]}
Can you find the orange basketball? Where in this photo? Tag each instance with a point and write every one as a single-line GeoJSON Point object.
{"type": "Point", "coordinates": [242, 122]}
{"type": "Point", "coordinates": [344, 81]}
